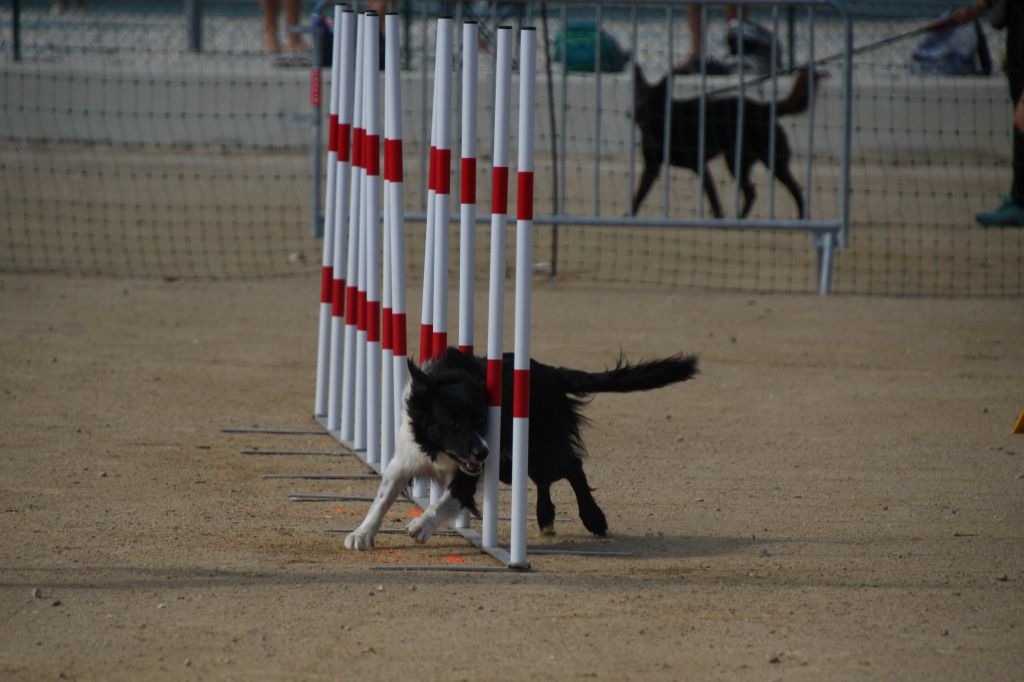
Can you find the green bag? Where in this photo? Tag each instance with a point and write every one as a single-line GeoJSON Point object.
{"type": "Point", "coordinates": [576, 47]}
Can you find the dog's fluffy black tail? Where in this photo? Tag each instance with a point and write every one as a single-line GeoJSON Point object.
{"type": "Point", "coordinates": [626, 377]}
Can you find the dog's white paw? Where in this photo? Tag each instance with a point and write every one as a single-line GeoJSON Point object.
{"type": "Point", "coordinates": [419, 529]}
{"type": "Point", "coordinates": [359, 540]}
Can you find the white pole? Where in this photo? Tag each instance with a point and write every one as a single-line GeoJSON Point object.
{"type": "Point", "coordinates": [396, 212]}
{"type": "Point", "coordinates": [427, 301]}
{"type": "Point", "coordinates": [524, 250]}
{"type": "Point", "coordinates": [467, 190]}
{"type": "Point", "coordinates": [323, 349]}
{"type": "Point", "coordinates": [442, 179]}
{"type": "Point", "coordinates": [348, 395]}
{"type": "Point", "coordinates": [371, 122]}
{"type": "Point", "coordinates": [496, 292]}
{"type": "Point", "coordinates": [344, 23]}
{"type": "Point", "coordinates": [442, 189]}
{"type": "Point", "coordinates": [371, 116]}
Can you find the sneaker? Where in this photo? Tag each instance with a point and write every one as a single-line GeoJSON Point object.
{"type": "Point", "coordinates": [1009, 213]}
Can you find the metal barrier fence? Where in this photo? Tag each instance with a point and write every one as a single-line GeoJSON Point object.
{"type": "Point", "coordinates": [124, 152]}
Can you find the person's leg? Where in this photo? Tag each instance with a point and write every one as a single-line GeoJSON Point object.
{"type": "Point", "coordinates": [291, 17]}
{"type": "Point", "coordinates": [270, 8]}
{"type": "Point", "coordinates": [1015, 76]}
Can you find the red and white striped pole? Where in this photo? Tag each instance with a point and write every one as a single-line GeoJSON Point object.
{"type": "Point", "coordinates": [349, 392]}
{"type": "Point", "coordinates": [524, 256]}
{"type": "Point", "coordinates": [442, 180]}
{"type": "Point", "coordinates": [371, 148]}
{"type": "Point", "coordinates": [359, 441]}
{"type": "Point", "coordinates": [496, 292]}
{"type": "Point", "coordinates": [427, 301]}
{"type": "Point", "coordinates": [393, 197]}
{"type": "Point", "coordinates": [467, 189]}
{"type": "Point", "coordinates": [323, 350]}
{"type": "Point", "coordinates": [344, 37]}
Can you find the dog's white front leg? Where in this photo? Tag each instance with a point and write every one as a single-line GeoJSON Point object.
{"type": "Point", "coordinates": [395, 478]}
{"type": "Point", "coordinates": [440, 512]}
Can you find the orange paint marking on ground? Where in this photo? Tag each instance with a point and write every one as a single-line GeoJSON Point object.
{"type": "Point", "coordinates": [416, 512]}
{"type": "Point", "coordinates": [452, 559]}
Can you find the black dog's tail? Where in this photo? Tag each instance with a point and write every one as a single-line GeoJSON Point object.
{"type": "Point", "coordinates": [799, 97]}
{"type": "Point", "coordinates": [643, 376]}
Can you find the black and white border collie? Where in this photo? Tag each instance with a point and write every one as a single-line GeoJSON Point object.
{"type": "Point", "coordinates": [444, 428]}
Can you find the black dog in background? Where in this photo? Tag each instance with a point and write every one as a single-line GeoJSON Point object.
{"type": "Point", "coordinates": [721, 116]}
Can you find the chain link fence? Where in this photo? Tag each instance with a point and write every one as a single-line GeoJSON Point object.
{"type": "Point", "coordinates": [131, 145]}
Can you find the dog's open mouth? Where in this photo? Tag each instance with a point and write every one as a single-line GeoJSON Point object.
{"type": "Point", "coordinates": [471, 468]}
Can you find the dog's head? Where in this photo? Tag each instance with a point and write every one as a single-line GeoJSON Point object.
{"type": "Point", "coordinates": [447, 408]}
{"type": "Point", "coordinates": [648, 100]}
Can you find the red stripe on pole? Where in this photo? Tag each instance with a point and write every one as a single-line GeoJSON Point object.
{"type": "Point", "coordinates": [371, 151]}
{"type": "Point", "coordinates": [357, 147]}
{"type": "Point", "coordinates": [524, 195]}
{"type": "Point", "coordinates": [351, 304]}
{"type": "Point", "coordinates": [344, 143]}
{"type": "Point", "coordinates": [338, 298]}
{"type": "Point", "coordinates": [386, 335]}
{"type": "Point", "coordinates": [372, 321]}
{"type": "Point", "coordinates": [499, 191]}
{"type": "Point", "coordinates": [393, 160]}
{"type": "Point", "coordinates": [432, 169]}
{"type": "Point", "coordinates": [326, 275]}
{"type": "Point", "coordinates": [361, 311]}
{"type": "Point", "coordinates": [332, 133]}
{"type": "Point", "coordinates": [440, 343]}
{"type": "Point", "coordinates": [398, 331]}
{"type": "Point", "coordinates": [521, 393]}
{"type": "Point", "coordinates": [465, 350]}
{"type": "Point", "coordinates": [444, 171]}
{"type": "Point", "coordinates": [426, 342]}
{"type": "Point", "coordinates": [467, 194]}
{"type": "Point", "coordinates": [314, 87]}
{"type": "Point", "coordinates": [494, 371]}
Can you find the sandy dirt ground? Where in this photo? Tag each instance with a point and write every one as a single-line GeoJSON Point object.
{"type": "Point", "coordinates": [836, 496]}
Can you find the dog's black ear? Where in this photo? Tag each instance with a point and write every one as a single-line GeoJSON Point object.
{"type": "Point", "coordinates": [417, 374]}
{"type": "Point", "coordinates": [639, 82]}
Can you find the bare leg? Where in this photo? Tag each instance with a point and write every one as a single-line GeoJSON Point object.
{"type": "Point", "coordinates": [291, 17]}
{"type": "Point", "coordinates": [271, 8]}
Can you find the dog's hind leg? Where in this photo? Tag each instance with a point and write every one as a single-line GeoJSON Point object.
{"type": "Point", "coordinates": [646, 180]}
{"type": "Point", "coordinates": [591, 515]}
{"type": "Point", "coordinates": [712, 193]}
{"type": "Point", "coordinates": [785, 176]}
{"type": "Point", "coordinates": [545, 509]}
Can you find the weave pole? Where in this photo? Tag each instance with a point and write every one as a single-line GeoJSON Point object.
{"type": "Point", "coordinates": [393, 197]}
{"type": "Point", "coordinates": [323, 346]}
{"type": "Point", "coordinates": [371, 212]}
{"type": "Point", "coordinates": [467, 188]}
{"type": "Point", "coordinates": [442, 183]}
{"type": "Point", "coordinates": [349, 393]}
{"type": "Point", "coordinates": [524, 253]}
{"type": "Point", "coordinates": [359, 439]}
{"type": "Point", "coordinates": [427, 301]}
{"type": "Point", "coordinates": [496, 292]}
{"type": "Point", "coordinates": [345, 24]}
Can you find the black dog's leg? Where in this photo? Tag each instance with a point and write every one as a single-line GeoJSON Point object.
{"type": "Point", "coordinates": [749, 193]}
{"type": "Point", "coordinates": [545, 509]}
{"type": "Point", "coordinates": [712, 193]}
{"type": "Point", "coordinates": [646, 180]}
{"type": "Point", "coordinates": [591, 515]}
{"type": "Point", "coordinates": [784, 175]}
